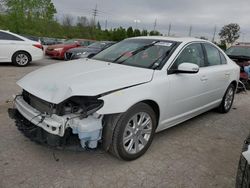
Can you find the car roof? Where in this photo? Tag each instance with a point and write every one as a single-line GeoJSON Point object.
{"type": "Point", "coordinates": [83, 39]}
{"type": "Point", "coordinates": [241, 45]}
{"type": "Point", "coordinates": [177, 39]}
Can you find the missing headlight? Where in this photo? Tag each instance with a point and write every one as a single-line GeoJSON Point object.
{"type": "Point", "coordinates": [80, 105]}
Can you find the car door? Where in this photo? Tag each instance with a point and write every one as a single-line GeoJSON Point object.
{"type": "Point", "coordinates": [217, 72]}
{"type": "Point", "coordinates": [187, 92]}
{"type": "Point", "coordinates": [8, 45]}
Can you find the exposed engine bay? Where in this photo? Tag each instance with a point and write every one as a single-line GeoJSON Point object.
{"type": "Point", "coordinates": [50, 123]}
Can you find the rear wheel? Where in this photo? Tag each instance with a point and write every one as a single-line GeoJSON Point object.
{"type": "Point", "coordinates": [21, 59]}
{"type": "Point", "coordinates": [134, 132]}
{"type": "Point", "coordinates": [227, 100]}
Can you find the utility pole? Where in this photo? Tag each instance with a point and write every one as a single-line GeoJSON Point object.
{"type": "Point", "coordinates": [95, 13]}
{"type": "Point", "coordinates": [106, 24]}
{"type": "Point", "coordinates": [169, 29]}
{"type": "Point", "coordinates": [155, 23]}
{"type": "Point", "coordinates": [215, 28]}
{"type": "Point", "coordinates": [190, 31]}
{"type": "Point", "coordinates": [136, 23]}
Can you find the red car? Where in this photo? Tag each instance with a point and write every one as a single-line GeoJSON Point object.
{"type": "Point", "coordinates": [58, 51]}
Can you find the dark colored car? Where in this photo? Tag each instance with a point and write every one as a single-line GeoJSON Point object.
{"type": "Point", "coordinates": [33, 38]}
{"type": "Point", "coordinates": [58, 51]}
{"type": "Point", "coordinates": [50, 41]}
{"type": "Point", "coordinates": [88, 52]}
{"type": "Point", "coordinates": [240, 54]}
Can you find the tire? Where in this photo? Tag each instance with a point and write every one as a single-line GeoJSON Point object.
{"type": "Point", "coordinates": [21, 59]}
{"type": "Point", "coordinates": [134, 132]}
{"type": "Point", "coordinates": [227, 100]}
{"type": "Point", "coordinates": [243, 172]}
{"type": "Point", "coordinates": [90, 56]}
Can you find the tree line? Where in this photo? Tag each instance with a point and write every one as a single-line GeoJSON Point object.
{"type": "Point", "coordinates": [37, 18]}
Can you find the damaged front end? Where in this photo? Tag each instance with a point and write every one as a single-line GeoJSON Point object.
{"type": "Point", "coordinates": [50, 123]}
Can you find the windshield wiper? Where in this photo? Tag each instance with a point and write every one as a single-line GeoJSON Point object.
{"type": "Point", "coordinates": [155, 64]}
{"type": "Point", "coordinates": [135, 52]}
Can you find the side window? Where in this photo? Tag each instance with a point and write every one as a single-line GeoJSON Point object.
{"type": "Point", "coordinates": [85, 43]}
{"type": "Point", "coordinates": [7, 36]}
{"type": "Point", "coordinates": [213, 55]}
{"type": "Point", "coordinates": [191, 54]}
{"type": "Point", "coordinates": [223, 59]}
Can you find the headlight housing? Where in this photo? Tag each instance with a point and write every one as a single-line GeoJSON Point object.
{"type": "Point", "coordinates": [79, 53]}
{"type": "Point", "coordinates": [58, 49]}
{"type": "Point", "coordinates": [80, 105]}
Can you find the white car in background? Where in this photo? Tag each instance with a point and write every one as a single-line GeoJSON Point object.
{"type": "Point", "coordinates": [126, 93]}
{"type": "Point", "coordinates": [18, 50]}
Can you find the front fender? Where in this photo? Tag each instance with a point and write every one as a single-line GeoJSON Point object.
{"type": "Point", "coordinates": [120, 101]}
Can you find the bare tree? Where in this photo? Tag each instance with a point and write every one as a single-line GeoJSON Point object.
{"type": "Point", "coordinates": [67, 20]}
{"type": "Point", "coordinates": [2, 6]}
{"type": "Point", "coordinates": [82, 21]}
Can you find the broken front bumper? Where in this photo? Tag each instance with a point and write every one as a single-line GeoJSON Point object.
{"type": "Point", "coordinates": [89, 129]}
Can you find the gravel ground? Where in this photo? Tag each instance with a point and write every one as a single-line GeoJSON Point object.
{"type": "Point", "coordinates": [202, 152]}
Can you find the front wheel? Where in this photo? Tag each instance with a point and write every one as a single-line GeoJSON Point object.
{"type": "Point", "coordinates": [227, 100]}
{"type": "Point", "coordinates": [134, 132]}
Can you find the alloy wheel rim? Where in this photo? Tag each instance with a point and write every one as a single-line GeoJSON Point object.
{"type": "Point", "coordinates": [137, 133]}
{"type": "Point", "coordinates": [22, 59]}
{"type": "Point", "coordinates": [229, 98]}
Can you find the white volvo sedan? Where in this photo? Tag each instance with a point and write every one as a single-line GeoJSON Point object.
{"type": "Point", "coordinates": [18, 50]}
{"type": "Point", "coordinates": [125, 94]}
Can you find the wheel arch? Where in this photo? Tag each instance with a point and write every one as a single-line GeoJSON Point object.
{"type": "Point", "coordinates": [21, 51]}
{"type": "Point", "coordinates": [235, 83]}
{"type": "Point", "coordinates": [155, 108]}
{"type": "Point", "coordinates": [108, 127]}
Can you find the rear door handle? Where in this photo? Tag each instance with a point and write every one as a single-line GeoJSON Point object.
{"type": "Point", "coordinates": [204, 78]}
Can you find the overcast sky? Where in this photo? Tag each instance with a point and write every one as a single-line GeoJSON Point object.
{"type": "Point", "coordinates": [203, 15]}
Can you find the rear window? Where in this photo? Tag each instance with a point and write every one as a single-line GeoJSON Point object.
{"type": "Point", "coordinates": [213, 55]}
{"type": "Point", "coordinates": [7, 36]}
{"type": "Point", "coordinates": [223, 59]}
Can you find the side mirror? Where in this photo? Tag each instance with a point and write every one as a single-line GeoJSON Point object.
{"type": "Point", "coordinates": [188, 68]}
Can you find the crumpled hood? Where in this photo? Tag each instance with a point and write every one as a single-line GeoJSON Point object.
{"type": "Point", "coordinates": [83, 77]}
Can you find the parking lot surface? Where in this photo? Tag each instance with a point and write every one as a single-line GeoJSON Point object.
{"type": "Point", "coordinates": [202, 152]}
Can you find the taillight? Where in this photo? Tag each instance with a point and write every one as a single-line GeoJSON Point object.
{"type": "Point", "coordinates": [38, 46]}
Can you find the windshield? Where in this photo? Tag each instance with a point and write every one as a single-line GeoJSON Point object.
{"type": "Point", "coordinates": [98, 45]}
{"type": "Point", "coordinates": [70, 41]}
{"type": "Point", "coordinates": [137, 52]}
{"type": "Point", "coordinates": [239, 51]}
